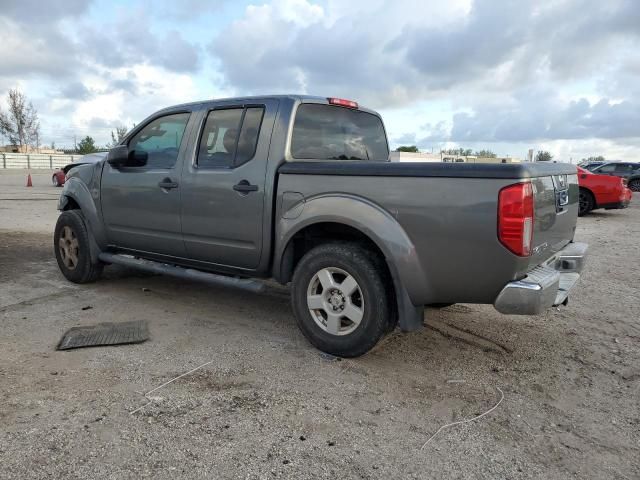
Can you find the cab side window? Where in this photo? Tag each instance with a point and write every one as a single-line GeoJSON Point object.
{"type": "Point", "coordinates": [229, 137]}
{"type": "Point", "coordinates": [159, 141]}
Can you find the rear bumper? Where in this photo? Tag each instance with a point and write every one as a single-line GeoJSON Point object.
{"type": "Point", "coordinates": [623, 202]}
{"type": "Point", "coordinates": [544, 286]}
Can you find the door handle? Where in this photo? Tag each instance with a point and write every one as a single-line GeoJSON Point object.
{"type": "Point", "coordinates": [168, 183]}
{"type": "Point", "coordinates": [245, 187]}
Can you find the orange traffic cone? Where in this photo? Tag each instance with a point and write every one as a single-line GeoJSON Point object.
{"type": "Point", "coordinates": [29, 184]}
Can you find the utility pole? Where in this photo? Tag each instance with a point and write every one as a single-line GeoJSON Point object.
{"type": "Point", "coordinates": [75, 145]}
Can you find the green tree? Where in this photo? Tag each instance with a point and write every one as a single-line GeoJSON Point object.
{"type": "Point", "coordinates": [20, 123]}
{"type": "Point", "coordinates": [485, 153]}
{"type": "Point", "coordinates": [457, 151]}
{"type": "Point", "coordinates": [87, 145]}
{"type": "Point", "coordinates": [407, 148]}
{"type": "Point", "coordinates": [543, 156]}
{"type": "Point", "coordinates": [118, 136]}
{"type": "Point", "coordinates": [599, 158]}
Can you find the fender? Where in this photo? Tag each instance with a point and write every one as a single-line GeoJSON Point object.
{"type": "Point", "coordinates": [75, 188]}
{"type": "Point", "coordinates": [379, 226]}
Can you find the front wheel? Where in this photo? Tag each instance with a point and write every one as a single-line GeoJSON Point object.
{"type": "Point", "coordinates": [71, 245]}
{"type": "Point", "coordinates": [341, 299]}
{"type": "Point", "coordinates": [634, 185]}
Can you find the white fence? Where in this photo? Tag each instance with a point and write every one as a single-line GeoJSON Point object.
{"type": "Point", "coordinates": [35, 160]}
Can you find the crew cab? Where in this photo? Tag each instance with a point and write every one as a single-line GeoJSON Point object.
{"type": "Point", "coordinates": [300, 189]}
{"type": "Point", "coordinates": [601, 191]}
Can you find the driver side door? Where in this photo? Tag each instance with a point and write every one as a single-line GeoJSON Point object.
{"type": "Point", "coordinates": [141, 204]}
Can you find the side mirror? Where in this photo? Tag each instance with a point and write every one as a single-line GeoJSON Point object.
{"type": "Point", "coordinates": [120, 156]}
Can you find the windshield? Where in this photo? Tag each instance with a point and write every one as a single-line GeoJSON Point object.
{"type": "Point", "coordinates": [326, 132]}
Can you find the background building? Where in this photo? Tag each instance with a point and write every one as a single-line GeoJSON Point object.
{"type": "Point", "coordinates": [444, 157]}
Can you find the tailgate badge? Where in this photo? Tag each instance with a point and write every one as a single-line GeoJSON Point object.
{"type": "Point", "coordinates": [561, 187]}
{"type": "Point", "coordinates": [562, 181]}
{"type": "Point", "coordinates": [563, 198]}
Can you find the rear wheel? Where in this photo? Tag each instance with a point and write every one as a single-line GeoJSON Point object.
{"type": "Point", "coordinates": [634, 185]}
{"type": "Point", "coordinates": [340, 299]}
{"type": "Point", "coordinates": [71, 244]}
{"type": "Point", "coordinates": [587, 202]}
{"type": "Point", "coordinates": [54, 181]}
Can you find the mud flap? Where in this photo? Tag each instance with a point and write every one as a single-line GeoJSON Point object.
{"type": "Point", "coordinates": [410, 317]}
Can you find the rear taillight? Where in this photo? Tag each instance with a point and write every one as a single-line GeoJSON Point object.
{"type": "Point", "coordinates": [515, 218]}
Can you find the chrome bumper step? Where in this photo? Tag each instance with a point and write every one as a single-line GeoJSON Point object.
{"type": "Point", "coordinates": [544, 286]}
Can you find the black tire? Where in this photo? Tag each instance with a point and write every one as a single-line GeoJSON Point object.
{"type": "Point", "coordinates": [634, 185]}
{"type": "Point", "coordinates": [373, 291]}
{"type": "Point", "coordinates": [586, 202]}
{"type": "Point", "coordinates": [71, 230]}
{"type": "Point", "coordinates": [54, 181]}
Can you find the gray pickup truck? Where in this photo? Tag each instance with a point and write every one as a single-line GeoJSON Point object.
{"type": "Point", "coordinates": [300, 189]}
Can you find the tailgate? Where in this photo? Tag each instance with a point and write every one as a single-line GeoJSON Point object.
{"type": "Point", "coordinates": [555, 214]}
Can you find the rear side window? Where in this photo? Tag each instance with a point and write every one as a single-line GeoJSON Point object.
{"type": "Point", "coordinates": [327, 132]}
{"type": "Point", "coordinates": [607, 168]}
{"type": "Point", "coordinates": [249, 135]}
{"type": "Point", "coordinates": [160, 140]}
{"type": "Point", "coordinates": [229, 137]}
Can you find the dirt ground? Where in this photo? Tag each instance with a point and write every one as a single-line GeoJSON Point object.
{"type": "Point", "coordinates": [271, 406]}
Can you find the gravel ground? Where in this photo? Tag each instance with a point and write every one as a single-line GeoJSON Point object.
{"type": "Point", "coordinates": [268, 405]}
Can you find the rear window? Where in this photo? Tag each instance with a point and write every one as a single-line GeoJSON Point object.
{"type": "Point", "coordinates": [326, 132]}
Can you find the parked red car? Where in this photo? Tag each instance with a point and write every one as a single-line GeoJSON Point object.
{"type": "Point", "coordinates": [60, 174]}
{"type": "Point", "coordinates": [601, 191]}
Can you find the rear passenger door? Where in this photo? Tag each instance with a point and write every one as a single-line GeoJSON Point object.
{"type": "Point", "coordinates": [223, 191]}
{"type": "Point", "coordinates": [623, 170]}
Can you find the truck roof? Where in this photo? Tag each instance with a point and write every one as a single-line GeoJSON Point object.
{"type": "Point", "coordinates": [249, 98]}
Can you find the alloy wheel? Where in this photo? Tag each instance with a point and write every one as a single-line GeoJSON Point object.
{"type": "Point", "coordinates": [335, 301]}
{"type": "Point", "coordinates": [68, 245]}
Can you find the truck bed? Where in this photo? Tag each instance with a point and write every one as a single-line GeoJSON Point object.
{"type": "Point", "coordinates": [449, 212]}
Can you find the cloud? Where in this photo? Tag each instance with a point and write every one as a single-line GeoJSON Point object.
{"type": "Point", "coordinates": [75, 91]}
{"type": "Point", "coordinates": [37, 11]}
{"type": "Point", "coordinates": [184, 9]}
{"type": "Point", "coordinates": [370, 52]}
{"type": "Point", "coordinates": [509, 69]}
{"type": "Point", "coordinates": [534, 116]}
{"type": "Point", "coordinates": [23, 52]}
{"type": "Point", "coordinates": [42, 40]}
{"type": "Point", "coordinates": [176, 54]}
{"type": "Point", "coordinates": [101, 123]}
{"type": "Point", "coordinates": [339, 49]}
{"type": "Point", "coordinates": [125, 43]}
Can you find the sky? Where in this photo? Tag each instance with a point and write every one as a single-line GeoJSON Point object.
{"type": "Point", "coordinates": [558, 75]}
